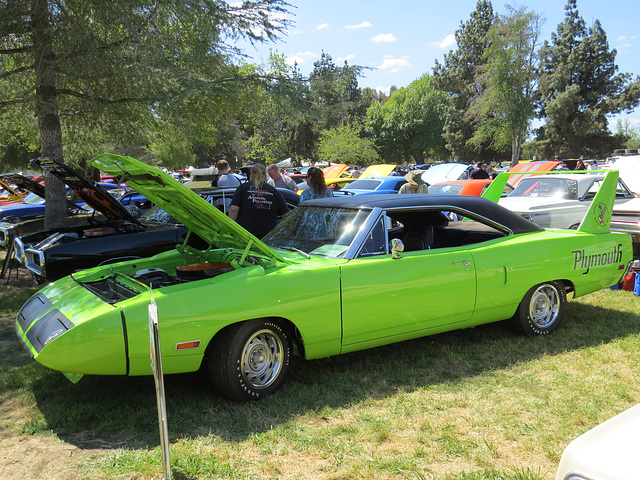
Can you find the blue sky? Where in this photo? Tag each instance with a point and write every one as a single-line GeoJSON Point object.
{"type": "Point", "coordinates": [401, 40]}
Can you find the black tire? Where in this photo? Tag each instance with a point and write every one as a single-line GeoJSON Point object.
{"type": "Point", "coordinates": [249, 360]}
{"type": "Point", "coordinates": [541, 310]}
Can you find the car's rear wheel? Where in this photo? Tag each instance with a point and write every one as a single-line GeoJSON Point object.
{"type": "Point", "coordinates": [541, 309]}
{"type": "Point", "coordinates": [249, 360]}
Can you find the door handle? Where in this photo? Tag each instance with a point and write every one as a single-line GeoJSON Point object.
{"type": "Point", "coordinates": [465, 262]}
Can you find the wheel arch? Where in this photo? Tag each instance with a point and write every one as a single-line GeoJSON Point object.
{"type": "Point", "coordinates": [285, 323]}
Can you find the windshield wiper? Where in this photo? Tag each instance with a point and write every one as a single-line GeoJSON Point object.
{"type": "Point", "coordinates": [294, 249]}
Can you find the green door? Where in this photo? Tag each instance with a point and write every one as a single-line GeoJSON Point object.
{"type": "Point", "coordinates": [384, 297]}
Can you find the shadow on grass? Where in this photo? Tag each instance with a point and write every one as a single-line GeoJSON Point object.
{"type": "Point", "coordinates": [120, 412]}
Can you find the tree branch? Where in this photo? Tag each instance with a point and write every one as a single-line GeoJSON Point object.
{"type": "Point", "coordinates": [84, 96]}
{"type": "Point", "coordinates": [16, 71]}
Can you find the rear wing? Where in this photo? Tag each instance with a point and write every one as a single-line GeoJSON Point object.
{"type": "Point", "coordinates": [598, 217]}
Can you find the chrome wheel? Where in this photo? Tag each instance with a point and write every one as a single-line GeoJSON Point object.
{"type": "Point", "coordinates": [262, 359]}
{"type": "Point", "coordinates": [544, 306]}
{"type": "Point", "coordinates": [541, 310]}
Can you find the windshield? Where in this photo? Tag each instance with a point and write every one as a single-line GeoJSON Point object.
{"type": "Point", "coordinates": [33, 199]}
{"type": "Point", "coordinates": [364, 184]}
{"type": "Point", "coordinates": [158, 215]}
{"type": "Point", "coordinates": [321, 231]}
{"type": "Point", "coordinates": [451, 189]}
{"type": "Point", "coordinates": [548, 187]}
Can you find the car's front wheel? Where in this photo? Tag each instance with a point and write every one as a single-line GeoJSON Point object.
{"type": "Point", "coordinates": [249, 360]}
{"type": "Point", "coordinates": [541, 309]}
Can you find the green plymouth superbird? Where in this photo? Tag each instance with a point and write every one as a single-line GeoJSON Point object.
{"type": "Point", "coordinates": [336, 276]}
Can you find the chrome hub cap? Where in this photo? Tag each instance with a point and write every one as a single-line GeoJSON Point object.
{"type": "Point", "coordinates": [544, 306]}
{"type": "Point", "coordinates": [262, 359]}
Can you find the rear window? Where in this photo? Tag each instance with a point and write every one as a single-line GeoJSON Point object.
{"type": "Point", "coordinates": [364, 184]}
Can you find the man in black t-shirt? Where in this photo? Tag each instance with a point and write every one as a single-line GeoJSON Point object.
{"type": "Point", "coordinates": [479, 173]}
{"type": "Point", "coordinates": [256, 205]}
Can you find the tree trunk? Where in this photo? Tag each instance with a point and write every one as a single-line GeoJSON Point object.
{"type": "Point", "coordinates": [516, 150]}
{"type": "Point", "coordinates": [47, 113]}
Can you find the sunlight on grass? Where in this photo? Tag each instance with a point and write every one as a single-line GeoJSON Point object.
{"type": "Point", "coordinates": [478, 404]}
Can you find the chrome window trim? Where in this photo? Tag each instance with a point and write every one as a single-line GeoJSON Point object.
{"type": "Point", "coordinates": [360, 238]}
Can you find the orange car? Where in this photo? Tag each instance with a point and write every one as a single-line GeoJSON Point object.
{"type": "Point", "coordinates": [538, 166]}
{"type": "Point", "coordinates": [460, 187]}
{"type": "Point", "coordinates": [464, 187]}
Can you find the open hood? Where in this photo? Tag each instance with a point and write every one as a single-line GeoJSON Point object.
{"type": "Point", "coordinates": [183, 204]}
{"type": "Point", "coordinates": [334, 171]}
{"type": "Point", "coordinates": [382, 170]}
{"type": "Point", "coordinates": [93, 195]}
{"type": "Point", "coordinates": [24, 183]}
{"type": "Point", "coordinates": [443, 172]}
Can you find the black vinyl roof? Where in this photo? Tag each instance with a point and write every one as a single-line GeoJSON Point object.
{"type": "Point", "coordinates": [478, 205]}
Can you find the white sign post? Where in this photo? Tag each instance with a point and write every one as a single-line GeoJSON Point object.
{"type": "Point", "coordinates": [156, 366]}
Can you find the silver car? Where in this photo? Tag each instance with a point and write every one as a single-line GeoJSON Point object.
{"type": "Point", "coordinates": [559, 200]}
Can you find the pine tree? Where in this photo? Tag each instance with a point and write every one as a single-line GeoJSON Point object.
{"type": "Point", "coordinates": [578, 87]}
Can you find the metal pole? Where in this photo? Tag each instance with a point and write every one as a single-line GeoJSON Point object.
{"type": "Point", "coordinates": [156, 366]}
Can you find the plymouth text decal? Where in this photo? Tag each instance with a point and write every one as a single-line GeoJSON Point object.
{"type": "Point", "coordinates": [581, 260]}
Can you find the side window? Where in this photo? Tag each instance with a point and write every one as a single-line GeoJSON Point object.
{"type": "Point", "coordinates": [376, 242]}
{"type": "Point", "coordinates": [399, 184]}
{"type": "Point", "coordinates": [461, 230]}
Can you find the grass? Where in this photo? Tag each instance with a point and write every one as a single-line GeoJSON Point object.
{"type": "Point", "coordinates": [478, 404]}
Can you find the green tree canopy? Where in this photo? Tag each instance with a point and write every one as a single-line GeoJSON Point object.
{"type": "Point", "coordinates": [344, 144]}
{"type": "Point", "coordinates": [115, 62]}
{"type": "Point", "coordinates": [579, 87]}
{"type": "Point", "coordinates": [504, 108]}
{"type": "Point", "coordinates": [457, 76]}
{"type": "Point", "coordinates": [409, 125]}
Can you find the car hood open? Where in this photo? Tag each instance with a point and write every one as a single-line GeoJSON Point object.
{"type": "Point", "coordinates": [94, 196]}
{"type": "Point", "coordinates": [24, 183]}
{"type": "Point", "coordinates": [444, 172]}
{"type": "Point", "coordinates": [184, 205]}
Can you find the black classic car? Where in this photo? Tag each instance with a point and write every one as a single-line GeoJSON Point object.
{"type": "Point", "coordinates": [50, 255]}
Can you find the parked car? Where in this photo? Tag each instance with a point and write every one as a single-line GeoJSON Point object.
{"type": "Point", "coordinates": [8, 193]}
{"type": "Point", "coordinates": [12, 227]}
{"type": "Point", "coordinates": [52, 254]}
{"type": "Point", "coordinates": [443, 172]}
{"type": "Point", "coordinates": [559, 200]}
{"type": "Point", "coordinates": [626, 218]}
{"type": "Point", "coordinates": [332, 174]}
{"type": "Point", "coordinates": [464, 187]}
{"type": "Point", "coordinates": [34, 202]}
{"type": "Point", "coordinates": [629, 171]}
{"type": "Point", "coordinates": [335, 276]}
{"type": "Point", "coordinates": [608, 451]}
{"type": "Point", "coordinates": [530, 167]}
{"type": "Point", "coordinates": [368, 186]}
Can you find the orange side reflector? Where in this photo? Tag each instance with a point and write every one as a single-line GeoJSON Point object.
{"type": "Point", "coordinates": [188, 345]}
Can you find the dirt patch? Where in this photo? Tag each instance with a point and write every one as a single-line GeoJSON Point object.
{"type": "Point", "coordinates": [39, 457]}
{"type": "Point", "coordinates": [19, 277]}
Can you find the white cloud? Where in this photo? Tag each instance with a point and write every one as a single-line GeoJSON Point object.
{"type": "Point", "coordinates": [383, 89]}
{"type": "Point", "coordinates": [360, 25]}
{"type": "Point", "coordinates": [393, 64]}
{"type": "Point", "coordinates": [347, 58]}
{"type": "Point", "coordinates": [383, 37]}
{"type": "Point", "coordinates": [300, 58]}
{"type": "Point", "coordinates": [322, 26]}
{"type": "Point", "coordinates": [448, 41]}
{"type": "Point", "coordinates": [624, 38]}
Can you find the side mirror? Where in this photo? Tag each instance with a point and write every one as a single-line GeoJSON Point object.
{"type": "Point", "coordinates": [397, 247]}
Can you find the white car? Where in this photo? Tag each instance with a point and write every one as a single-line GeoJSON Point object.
{"type": "Point", "coordinates": [628, 167]}
{"type": "Point", "coordinates": [559, 200]}
{"type": "Point", "coordinates": [606, 452]}
{"type": "Point", "coordinates": [626, 218]}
